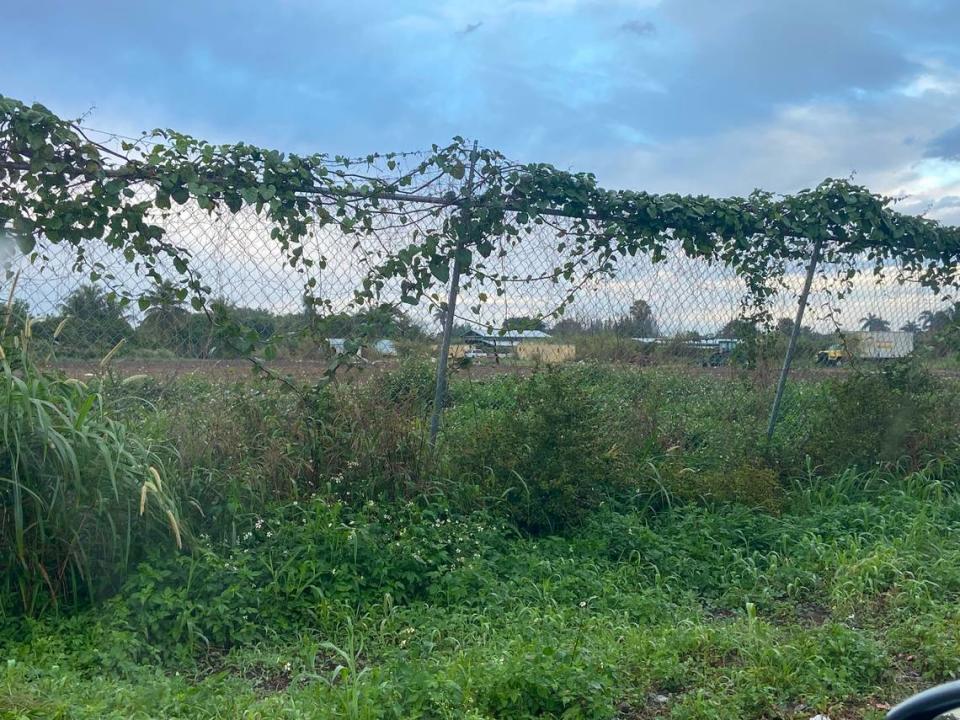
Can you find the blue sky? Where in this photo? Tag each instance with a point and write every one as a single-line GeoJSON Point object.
{"type": "Point", "coordinates": [675, 95]}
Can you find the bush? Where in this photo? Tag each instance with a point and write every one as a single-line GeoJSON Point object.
{"type": "Point", "coordinates": [899, 413]}
{"type": "Point", "coordinates": [75, 484]}
{"type": "Point", "coordinates": [542, 454]}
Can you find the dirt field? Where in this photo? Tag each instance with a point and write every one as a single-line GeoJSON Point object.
{"type": "Point", "coordinates": [237, 369]}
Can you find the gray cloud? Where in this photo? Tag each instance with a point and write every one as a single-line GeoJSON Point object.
{"type": "Point", "coordinates": [946, 145]}
{"type": "Point", "coordinates": [639, 27]}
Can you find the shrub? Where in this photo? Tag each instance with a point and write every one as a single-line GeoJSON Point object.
{"type": "Point", "coordinates": [897, 413]}
{"type": "Point", "coordinates": [370, 438]}
{"type": "Point", "coordinates": [75, 484]}
{"type": "Point", "coordinates": [542, 454]}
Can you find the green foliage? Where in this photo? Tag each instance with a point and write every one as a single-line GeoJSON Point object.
{"type": "Point", "coordinates": [899, 413]}
{"type": "Point", "coordinates": [300, 568]}
{"type": "Point", "coordinates": [747, 484]}
{"type": "Point", "coordinates": [94, 324]}
{"type": "Point", "coordinates": [59, 187]}
{"type": "Point", "coordinates": [80, 496]}
{"type": "Point", "coordinates": [234, 446]}
{"type": "Point", "coordinates": [335, 573]}
{"type": "Point", "coordinates": [524, 323]}
{"type": "Point", "coordinates": [540, 452]}
{"type": "Point", "coordinates": [399, 611]}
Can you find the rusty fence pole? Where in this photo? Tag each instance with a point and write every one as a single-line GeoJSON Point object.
{"type": "Point", "coordinates": [466, 222]}
{"type": "Point", "coordinates": [792, 345]}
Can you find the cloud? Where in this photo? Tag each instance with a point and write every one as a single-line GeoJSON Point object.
{"type": "Point", "coordinates": [639, 27]}
{"type": "Point", "coordinates": [946, 145]}
{"type": "Point", "coordinates": [718, 97]}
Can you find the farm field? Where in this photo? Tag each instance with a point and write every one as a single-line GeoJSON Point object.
{"type": "Point", "coordinates": [586, 542]}
{"type": "Point", "coordinates": [240, 369]}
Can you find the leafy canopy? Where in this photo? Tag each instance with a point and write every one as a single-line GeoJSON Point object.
{"type": "Point", "coordinates": [58, 187]}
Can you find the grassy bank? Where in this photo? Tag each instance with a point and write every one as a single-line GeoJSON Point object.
{"type": "Point", "coordinates": [843, 602]}
{"type": "Point", "coordinates": [585, 543]}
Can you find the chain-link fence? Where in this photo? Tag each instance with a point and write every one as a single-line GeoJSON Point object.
{"type": "Point", "coordinates": [677, 310]}
{"type": "Point", "coordinates": [677, 300]}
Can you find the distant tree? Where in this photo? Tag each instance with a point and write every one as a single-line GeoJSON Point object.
{"type": "Point", "coordinates": [13, 318]}
{"type": "Point", "coordinates": [524, 322]}
{"type": "Point", "coordinates": [910, 327]}
{"type": "Point", "coordinates": [874, 323]}
{"type": "Point", "coordinates": [640, 322]}
{"type": "Point", "coordinates": [933, 321]}
{"type": "Point", "coordinates": [164, 322]}
{"type": "Point", "coordinates": [644, 324]}
{"type": "Point", "coordinates": [386, 321]}
{"type": "Point", "coordinates": [739, 329]}
{"type": "Point", "coordinates": [785, 326]}
{"type": "Point", "coordinates": [95, 323]}
{"type": "Point", "coordinates": [337, 325]}
{"type": "Point", "coordinates": [439, 314]}
{"type": "Point", "coordinates": [567, 326]}
{"type": "Point", "coordinates": [222, 339]}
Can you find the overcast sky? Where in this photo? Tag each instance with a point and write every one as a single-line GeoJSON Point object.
{"type": "Point", "coordinates": [675, 95]}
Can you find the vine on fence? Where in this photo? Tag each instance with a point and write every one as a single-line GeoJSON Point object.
{"type": "Point", "coordinates": [59, 187]}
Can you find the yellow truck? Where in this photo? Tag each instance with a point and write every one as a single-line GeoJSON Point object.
{"type": "Point", "coordinates": [867, 346]}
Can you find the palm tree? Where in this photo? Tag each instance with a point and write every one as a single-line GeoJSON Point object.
{"type": "Point", "coordinates": [874, 323]}
{"type": "Point", "coordinates": [96, 322]}
{"type": "Point", "coordinates": [164, 320]}
{"type": "Point", "coordinates": [934, 320]}
{"type": "Point", "coordinates": [911, 327]}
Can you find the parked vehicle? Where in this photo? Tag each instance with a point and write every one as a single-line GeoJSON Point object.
{"type": "Point", "coordinates": [867, 346]}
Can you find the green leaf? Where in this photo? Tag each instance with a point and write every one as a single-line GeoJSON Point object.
{"type": "Point", "coordinates": [440, 269]}
{"type": "Point", "coordinates": [464, 258]}
{"type": "Point", "coordinates": [26, 243]}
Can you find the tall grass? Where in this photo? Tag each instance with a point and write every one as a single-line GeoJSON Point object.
{"type": "Point", "coordinates": [79, 496]}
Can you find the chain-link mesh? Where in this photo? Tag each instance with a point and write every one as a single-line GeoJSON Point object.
{"type": "Point", "coordinates": [646, 306]}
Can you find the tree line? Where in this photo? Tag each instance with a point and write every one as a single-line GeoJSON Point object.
{"type": "Point", "coordinates": [90, 322]}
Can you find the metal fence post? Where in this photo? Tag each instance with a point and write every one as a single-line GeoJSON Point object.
{"type": "Point", "coordinates": [466, 221]}
{"type": "Point", "coordinates": [794, 334]}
